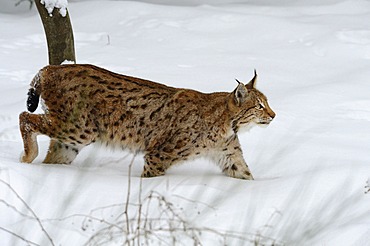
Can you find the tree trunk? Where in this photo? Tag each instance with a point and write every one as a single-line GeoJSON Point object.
{"type": "Point", "coordinates": [59, 35]}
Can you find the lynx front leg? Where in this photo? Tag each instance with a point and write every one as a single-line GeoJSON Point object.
{"type": "Point", "coordinates": [232, 162]}
{"type": "Point", "coordinates": [235, 166]}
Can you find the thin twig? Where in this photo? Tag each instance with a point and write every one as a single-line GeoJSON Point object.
{"type": "Point", "coordinates": [18, 236]}
{"type": "Point", "coordinates": [20, 1]}
{"type": "Point", "coordinates": [139, 211]}
{"type": "Point", "coordinates": [167, 227]}
{"type": "Point", "coordinates": [194, 201]}
{"type": "Point", "coordinates": [128, 195]}
{"type": "Point", "coordinates": [15, 209]}
{"type": "Point", "coordinates": [29, 209]}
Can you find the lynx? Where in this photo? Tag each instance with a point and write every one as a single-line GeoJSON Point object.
{"type": "Point", "coordinates": [84, 104]}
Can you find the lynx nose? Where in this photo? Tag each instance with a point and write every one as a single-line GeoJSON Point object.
{"type": "Point", "coordinates": [272, 115]}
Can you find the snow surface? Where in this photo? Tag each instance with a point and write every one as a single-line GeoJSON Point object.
{"type": "Point", "coordinates": [59, 4]}
{"type": "Point", "coordinates": [312, 164]}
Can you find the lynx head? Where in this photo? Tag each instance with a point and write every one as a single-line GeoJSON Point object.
{"type": "Point", "coordinates": [248, 106]}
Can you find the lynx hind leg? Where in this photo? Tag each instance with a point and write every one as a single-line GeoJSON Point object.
{"type": "Point", "coordinates": [29, 125]}
{"type": "Point", "coordinates": [155, 165]}
{"type": "Point", "coordinates": [61, 153]}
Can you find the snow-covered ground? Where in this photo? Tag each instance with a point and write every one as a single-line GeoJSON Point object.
{"type": "Point", "coordinates": [311, 164]}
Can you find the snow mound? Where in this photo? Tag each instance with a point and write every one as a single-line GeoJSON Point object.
{"type": "Point", "coordinates": [59, 4]}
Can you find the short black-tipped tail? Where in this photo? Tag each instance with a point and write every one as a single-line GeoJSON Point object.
{"type": "Point", "coordinates": [34, 93]}
{"type": "Point", "coordinates": [32, 100]}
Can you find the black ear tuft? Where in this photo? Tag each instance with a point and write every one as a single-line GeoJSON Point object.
{"type": "Point", "coordinates": [252, 83]}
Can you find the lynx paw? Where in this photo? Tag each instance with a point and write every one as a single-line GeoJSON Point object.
{"type": "Point", "coordinates": [239, 174]}
{"type": "Point", "coordinates": [146, 174]}
{"type": "Point", "coordinates": [27, 158]}
{"type": "Point", "coordinates": [151, 172]}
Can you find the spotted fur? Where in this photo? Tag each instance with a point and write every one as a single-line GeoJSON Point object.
{"type": "Point", "coordinates": [86, 104]}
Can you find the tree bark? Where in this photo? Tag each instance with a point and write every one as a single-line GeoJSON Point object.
{"type": "Point", "coordinates": [59, 35]}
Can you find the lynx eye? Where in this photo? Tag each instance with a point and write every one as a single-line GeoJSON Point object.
{"type": "Point", "coordinates": [260, 106]}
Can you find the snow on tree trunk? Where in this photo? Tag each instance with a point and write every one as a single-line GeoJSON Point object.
{"type": "Point", "coordinates": [58, 30]}
{"type": "Point", "coordinates": [59, 4]}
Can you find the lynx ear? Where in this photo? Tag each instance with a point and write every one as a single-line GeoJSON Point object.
{"type": "Point", "coordinates": [252, 83]}
{"type": "Point", "coordinates": [240, 93]}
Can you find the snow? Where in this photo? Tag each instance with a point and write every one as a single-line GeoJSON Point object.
{"type": "Point", "coordinates": [312, 164]}
{"type": "Point", "coordinates": [59, 4]}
